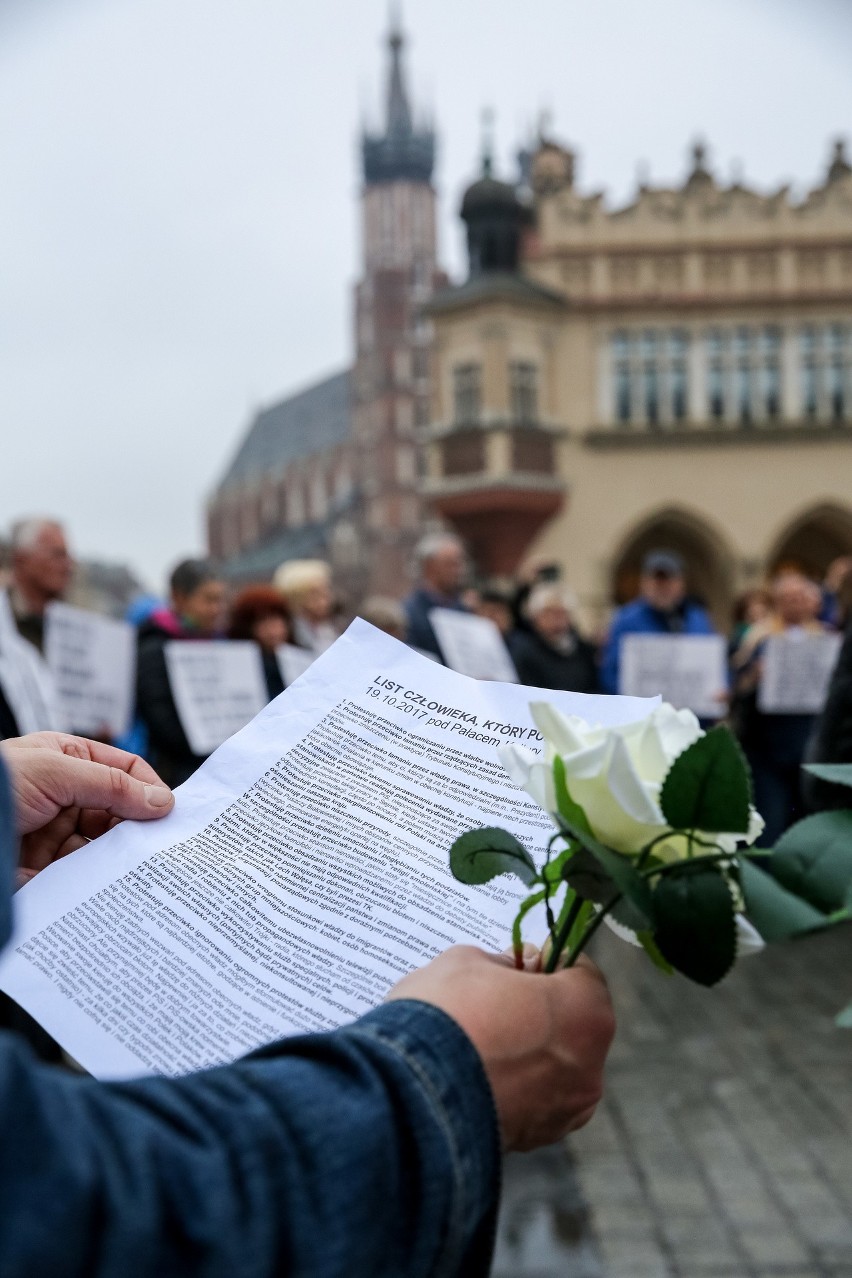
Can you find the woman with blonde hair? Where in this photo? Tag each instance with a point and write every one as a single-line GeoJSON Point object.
{"type": "Point", "coordinates": [306, 586]}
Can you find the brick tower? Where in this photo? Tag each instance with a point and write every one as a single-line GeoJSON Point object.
{"type": "Point", "coordinates": [391, 374]}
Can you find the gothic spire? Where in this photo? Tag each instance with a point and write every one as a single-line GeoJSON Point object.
{"type": "Point", "coordinates": [404, 152]}
{"type": "Point", "coordinates": [399, 112]}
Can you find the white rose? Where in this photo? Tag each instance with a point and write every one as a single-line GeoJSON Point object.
{"type": "Point", "coordinates": [615, 775]}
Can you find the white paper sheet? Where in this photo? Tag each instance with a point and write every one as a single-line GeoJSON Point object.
{"type": "Point", "coordinates": [218, 687]}
{"type": "Point", "coordinates": [293, 662]}
{"type": "Point", "coordinates": [303, 871]}
{"type": "Point", "coordinates": [797, 667]}
{"type": "Point", "coordinates": [472, 645]}
{"type": "Point", "coordinates": [93, 663]}
{"type": "Point", "coordinates": [688, 671]}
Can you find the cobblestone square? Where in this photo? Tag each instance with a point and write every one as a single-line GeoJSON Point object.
{"type": "Point", "coordinates": [724, 1144]}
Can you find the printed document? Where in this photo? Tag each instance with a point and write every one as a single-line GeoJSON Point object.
{"type": "Point", "coordinates": [303, 871]}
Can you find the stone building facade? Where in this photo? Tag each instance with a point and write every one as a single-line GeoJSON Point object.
{"type": "Point", "coordinates": [674, 373]}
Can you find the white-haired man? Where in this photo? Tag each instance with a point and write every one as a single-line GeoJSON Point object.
{"type": "Point", "coordinates": [41, 571]}
{"type": "Point", "coordinates": [42, 568]}
{"type": "Point", "coordinates": [442, 567]}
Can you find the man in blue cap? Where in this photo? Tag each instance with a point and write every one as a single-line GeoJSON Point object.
{"type": "Point", "coordinates": [661, 609]}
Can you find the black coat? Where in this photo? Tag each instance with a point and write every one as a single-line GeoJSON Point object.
{"type": "Point", "coordinates": [832, 739]}
{"type": "Point", "coordinates": [540, 665]}
{"type": "Point", "coordinates": [168, 750]}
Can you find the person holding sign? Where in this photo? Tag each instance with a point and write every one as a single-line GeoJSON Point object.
{"type": "Point", "coordinates": [442, 568]}
{"type": "Point", "coordinates": [552, 654]}
{"type": "Point", "coordinates": [662, 608]}
{"type": "Point", "coordinates": [775, 739]}
{"type": "Point", "coordinates": [372, 1150]}
{"type": "Point", "coordinates": [197, 612]}
{"type": "Point", "coordinates": [42, 568]}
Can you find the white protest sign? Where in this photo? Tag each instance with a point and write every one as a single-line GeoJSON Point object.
{"type": "Point", "coordinates": [472, 645]}
{"type": "Point", "coordinates": [26, 681]}
{"type": "Point", "coordinates": [293, 661]}
{"type": "Point", "coordinates": [302, 872]}
{"type": "Point", "coordinates": [218, 686]}
{"type": "Point", "coordinates": [797, 668]}
{"type": "Point", "coordinates": [93, 663]}
{"type": "Point", "coordinates": [688, 671]}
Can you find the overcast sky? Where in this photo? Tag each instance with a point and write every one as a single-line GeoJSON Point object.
{"type": "Point", "coordinates": [179, 217]}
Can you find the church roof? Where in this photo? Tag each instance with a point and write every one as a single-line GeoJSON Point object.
{"type": "Point", "coordinates": [258, 562]}
{"type": "Point", "coordinates": [312, 421]}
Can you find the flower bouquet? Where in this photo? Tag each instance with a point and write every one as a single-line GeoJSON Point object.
{"type": "Point", "coordinates": [655, 832]}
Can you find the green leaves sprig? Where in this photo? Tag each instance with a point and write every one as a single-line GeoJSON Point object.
{"type": "Point", "coordinates": [682, 910]}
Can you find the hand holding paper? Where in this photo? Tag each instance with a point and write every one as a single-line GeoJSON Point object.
{"type": "Point", "coordinates": [301, 874]}
{"type": "Point", "coordinates": [67, 791]}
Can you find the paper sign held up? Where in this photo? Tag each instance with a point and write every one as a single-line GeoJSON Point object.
{"type": "Point", "coordinates": [218, 687]}
{"type": "Point", "coordinates": [688, 671]}
{"type": "Point", "coordinates": [472, 645]}
{"type": "Point", "coordinates": [797, 668]}
{"type": "Point", "coordinates": [93, 663]}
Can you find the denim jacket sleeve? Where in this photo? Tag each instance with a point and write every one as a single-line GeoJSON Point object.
{"type": "Point", "coordinates": [370, 1152]}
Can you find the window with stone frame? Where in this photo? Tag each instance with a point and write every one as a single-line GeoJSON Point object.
{"type": "Point", "coordinates": [467, 394]}
{"type": "Point", "coordinates": [523, 392]}
{"type": "Point", "coordinates": [825, 372]}
{"type": "Point", "coordinates": [650, 377]}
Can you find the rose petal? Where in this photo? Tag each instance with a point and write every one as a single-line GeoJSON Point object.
{"type": "Point", "coordinates": [749, 940]}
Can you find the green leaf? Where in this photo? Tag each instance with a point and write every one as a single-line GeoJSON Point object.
{"type": "Point", "coordinates": [836, 773]}
{"type": "Point", "coordinates": [813, 859]}
{"type": "Point", "coordinates": [619, 872]}
{"type": "Point", "coordinates": [776, 913]}
{"type": "Point", "coordinates": [565, 805]}
{"type": "Point", "coordinates": [649, 945]}
{"type": "Point", "coordinates": [695, 929]}
{"type": "Point", "coordinates": [708, 787]}
{"type": "Point", "coordinates": [844, 1018]}
{"type": "Point", "coordinates": [480, 855]}
{"type": "Point", "coordinates": [585, 874]}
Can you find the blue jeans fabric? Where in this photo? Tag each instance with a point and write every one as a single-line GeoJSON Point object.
{"type": "Point", "coordinates": [369, 1152]}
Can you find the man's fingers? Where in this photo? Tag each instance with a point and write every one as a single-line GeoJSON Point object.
{"type": "Point", "coordinates": [65, 782]}
{"type": "Point", "coordinates": [111, 757]}
{"type": "Point", "coordinates": [82, 748]}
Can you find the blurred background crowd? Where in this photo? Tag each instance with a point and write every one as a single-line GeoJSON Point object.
{"type": "Point", "coordinates": [535, 613]}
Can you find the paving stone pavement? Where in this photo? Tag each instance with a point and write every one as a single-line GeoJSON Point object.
{"type": "Point", "coordinates": [723, 1147]}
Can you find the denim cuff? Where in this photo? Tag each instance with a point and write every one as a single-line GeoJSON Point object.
{"type": "Point", "coordinates": [452, 1081]}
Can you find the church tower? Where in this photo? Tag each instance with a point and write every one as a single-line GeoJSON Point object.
{"type": "Point", "coordinates": [391, 375]}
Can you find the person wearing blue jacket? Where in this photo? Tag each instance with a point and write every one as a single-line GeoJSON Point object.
{"type": "Point", "coordinates": [661, 609]}
{"type": "Point", "coordinates": [373, 1150]}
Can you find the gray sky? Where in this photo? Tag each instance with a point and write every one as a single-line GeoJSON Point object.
{"type": "Point", "coordinates": [178, 218]}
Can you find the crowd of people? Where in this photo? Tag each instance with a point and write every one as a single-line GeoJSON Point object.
{"type": "Point", "coordinates": [536, 615]}
{"type": "Point", "coordinates": [373, 1149]}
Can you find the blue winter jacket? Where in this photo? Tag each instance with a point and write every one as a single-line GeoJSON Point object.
{"type": "Point", "coordinates": [639, 618]}
{"type": "Point", "coordinates": [370, 1152]}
